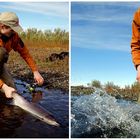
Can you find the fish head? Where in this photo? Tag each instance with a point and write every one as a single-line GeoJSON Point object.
{"type": "Point", "coordinates": [51, 121]}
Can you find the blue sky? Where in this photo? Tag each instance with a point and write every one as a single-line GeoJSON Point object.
{"type": "Point", "coordinates": [101, 36]}
{"type": "Point", "coordinates": [41, 15]}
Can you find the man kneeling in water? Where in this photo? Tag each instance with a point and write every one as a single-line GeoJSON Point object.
{"type": "Point", "coordinates": [9, 39]}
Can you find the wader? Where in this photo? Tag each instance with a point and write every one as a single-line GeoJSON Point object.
{"type": "Point", "coordinates": [4, 72]}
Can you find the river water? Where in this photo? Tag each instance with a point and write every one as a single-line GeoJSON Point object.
{"type": "Point", "coordinates": [15, 122]}
{"type": "Point", "coordinates": [100, 115]}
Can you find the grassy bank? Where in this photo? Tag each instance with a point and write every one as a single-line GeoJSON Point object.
{"type": "Point", "coordinates": [130, 92]}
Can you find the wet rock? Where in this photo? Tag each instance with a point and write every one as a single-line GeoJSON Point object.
{"type": "Point", "coordinates": [55, 56]}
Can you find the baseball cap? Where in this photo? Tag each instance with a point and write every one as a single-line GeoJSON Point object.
{"type": "Point", "coordinates": [11, 19]}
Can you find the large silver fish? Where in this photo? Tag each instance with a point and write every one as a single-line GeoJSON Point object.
{"type": "Point", "coordinates": [34, 109]}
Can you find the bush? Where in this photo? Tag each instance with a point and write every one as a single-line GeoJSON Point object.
{"type": "Point", "coordinates": [55, 36]}
{"type": "Point", "coordinates": [96, 83]}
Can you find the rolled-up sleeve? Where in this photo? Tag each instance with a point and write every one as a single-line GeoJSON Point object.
{"type": "Point", "coordinates": [1, 83]}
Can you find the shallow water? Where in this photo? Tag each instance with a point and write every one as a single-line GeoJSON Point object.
{"type": "Point", "coordinates": [15, 122]}
{"type": "Point", "coordinates": [101, 115]}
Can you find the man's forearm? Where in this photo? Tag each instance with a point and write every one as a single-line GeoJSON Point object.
{"type": "Point", "coordinates": [4, 86]}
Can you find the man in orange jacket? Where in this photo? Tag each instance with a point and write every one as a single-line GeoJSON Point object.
{"type": "Point", "coordinates": [9, 39]}
{"type": "Point", "coordinates": [135, 42]}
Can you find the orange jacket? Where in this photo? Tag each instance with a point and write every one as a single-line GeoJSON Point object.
{"type": "Point", "coordinates": [15, 43]}
{"type": "Point", "coordinates": [135, 42]}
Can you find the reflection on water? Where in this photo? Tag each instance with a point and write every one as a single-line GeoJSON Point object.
{"type": "Point", "coordinates": [15, 122]}
{"type": "Point", "coordinates": [37, 96]}
{"type": "Point", "coordinates": [101, 115]}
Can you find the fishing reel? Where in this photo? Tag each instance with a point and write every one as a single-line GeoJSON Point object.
{"type": "Point", "coordinates": [36, 95]}
{"type": "Point", "coordinates": [31, 87]}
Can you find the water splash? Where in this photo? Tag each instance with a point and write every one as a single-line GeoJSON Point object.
{"type": "Point", "coordinates": [101, 115]}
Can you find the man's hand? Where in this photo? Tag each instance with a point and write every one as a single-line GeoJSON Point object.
{"type": "Point", "coordinates": [8, 90]}
{"type": "Point", "coordinates": [38, 78]}
{"type": "Point", "coordinates": [138, 74]}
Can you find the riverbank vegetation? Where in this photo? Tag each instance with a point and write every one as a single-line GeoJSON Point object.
{"type": "Point", "coordinates": [131, 92]}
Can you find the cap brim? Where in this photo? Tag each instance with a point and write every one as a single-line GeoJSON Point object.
{"type": "Point", "coordinates": [17, 29]}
